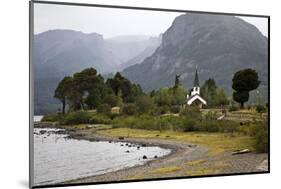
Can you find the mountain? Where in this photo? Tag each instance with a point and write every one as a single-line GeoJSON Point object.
{"type": "Point", "coordinates": [219, 45]}
{"type": "Point", "coordinates": [60, 53]}
{"type": "Point", "coordinates": [128, 47]}
{"type": "Point", "coordinates": [151, 45]}
{"type": "Point", "coordinates": [147, 52]}
{"type": "Point", "coordinates": [63, 52]}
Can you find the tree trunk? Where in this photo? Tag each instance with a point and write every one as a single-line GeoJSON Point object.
{"type": "Point", "coordinates": [63, 107]}
{"type": "Point", "coordinates": [242, 105]}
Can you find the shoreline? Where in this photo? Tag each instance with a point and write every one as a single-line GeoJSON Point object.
{"type": "Point", "coordinates": [177, 150]}
{"type": "Point", "coordinates": [180, 154]}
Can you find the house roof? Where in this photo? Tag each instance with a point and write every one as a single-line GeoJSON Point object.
{"type": "Point", "coordinates": [191, 99]}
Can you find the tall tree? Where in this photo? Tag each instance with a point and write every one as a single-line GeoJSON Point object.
{"type": "Point", "coordinates": [209, 91]}
{"type": "Point", "coordinates": [177, 81]}
{"type": "Point", "coordinates": [122, 86]}
{"type": "Point", "coordinates": [179, 95]}
{"type": "Point", "coordinates": [144, 103]}
{"type": "Point", "coordinates": [62, 91]}
{"type": "Point", "coordinates": [243, 82]}
{"type": "Point", "coordinates": [163, 97]}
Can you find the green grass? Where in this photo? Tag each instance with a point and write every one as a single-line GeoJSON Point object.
{"type": "Point", "coordinates": [216, 142]}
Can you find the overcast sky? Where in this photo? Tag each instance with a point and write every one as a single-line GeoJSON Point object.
{"type": "Point", "coordinates": [111, 22]}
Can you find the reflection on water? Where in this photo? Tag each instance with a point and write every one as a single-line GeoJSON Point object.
{"type": "Point", "coordinates": [57, 158]}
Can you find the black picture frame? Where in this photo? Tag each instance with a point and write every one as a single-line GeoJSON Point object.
{"type": "Point", "coordinates": [31, 97]}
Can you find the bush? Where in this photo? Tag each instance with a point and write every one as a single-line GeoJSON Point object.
{"type": "Point", "coordinates": [111, 100]}
{"type": "Point", "coordinates": [104, 109]}
{"type": "Point", "coordinates": [155, 111]}
{"type": "Point", "coordinates": [211, 115]}
{"type": "Point", "coordinates": [249, 130]}
{"type": "Point", "coordinates": [259, 131]}
{"type": "Point", "coordinates": [113, 115]}
{"type": "Point", "coordinates": [261, 137]}
{"type": "Point", "coordinates": [222, 126]}
{"type": "Point", "coordinates": [191, 113]}
{"type": "Point", "coordinates": [260, 109]}
{"type": "Point", "coordinates": [148, 122]}
{"type": "Point", "coordinates": [144, 104]}
{"type": "Point", "coordinates": [175, 109]}
{"type": "Point", "coordinates": [233, 108]}
{"type": "Point", "coordinates": [74, 118]}
{"type": "Point", "coordinates": [99, 119]}
{"type": "Point", "coordinates": [54, 117]}
{"type": "Point", "coordinates": [189, 125]}
{"type": "Point", "coordinates": [124, 122]}
{"type": "Point", "coordinates": [130, 109]}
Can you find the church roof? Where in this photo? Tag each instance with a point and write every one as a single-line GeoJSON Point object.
{"type": "Point", "coordinates": [191, 99]}
{"type": "Point", "coordinates": [196, 79]}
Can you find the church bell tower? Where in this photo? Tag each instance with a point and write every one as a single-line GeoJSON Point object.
{"type": "Point", "coordinates": [196, 86]}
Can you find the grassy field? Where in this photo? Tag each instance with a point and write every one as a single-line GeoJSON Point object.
{"type": "Point", "coordinates": [216, 142]}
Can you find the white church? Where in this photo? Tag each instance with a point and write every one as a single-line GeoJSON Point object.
{"type": "Point", "coordinates": [194, 97]}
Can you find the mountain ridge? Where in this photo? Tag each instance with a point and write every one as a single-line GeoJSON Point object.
{"type": "Point", "coordinates": [219, 45]}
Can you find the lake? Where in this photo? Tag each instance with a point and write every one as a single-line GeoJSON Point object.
{"type": "Point", "coordinates": [37, 118]}
{"type": "Point", "coordinates": [58, 158]}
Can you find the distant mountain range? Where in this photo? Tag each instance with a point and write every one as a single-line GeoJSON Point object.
{"type": "Point", "coordinates": [218, 45]}
{"type": "Point", "coordinates": [58, 53]}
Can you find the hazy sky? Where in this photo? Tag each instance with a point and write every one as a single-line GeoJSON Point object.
{"type": "Point", "coordinates": [111, 22]}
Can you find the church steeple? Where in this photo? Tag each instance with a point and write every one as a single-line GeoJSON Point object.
{"type": "Point", "coordinates": [196, 79]}
{"type": "Point", "coordinates": [196, 86]}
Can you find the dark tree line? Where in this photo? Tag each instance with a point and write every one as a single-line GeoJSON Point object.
{"type": "Point", "coordinates": [88, 90]}
{"type": "Point", "coordinates": [212, 94]}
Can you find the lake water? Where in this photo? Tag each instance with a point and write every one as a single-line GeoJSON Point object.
{"type": "Point", "coordinates": [58, 158]}
{"type": "Point", "coordinates": [37, 118]}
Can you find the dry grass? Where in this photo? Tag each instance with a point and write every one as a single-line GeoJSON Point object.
{"type": "Point", "coordinates": [217, 143]}
{"type": "Point", "coordinates": [166, 170]}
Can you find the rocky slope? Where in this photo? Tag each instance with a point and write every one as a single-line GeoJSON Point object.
{"type": "Point", "coordinates": [219, 45]}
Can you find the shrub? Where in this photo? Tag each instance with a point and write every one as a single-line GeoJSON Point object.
{"type": "Point", "coordinates": [260, 109]}
{"type": "Point", "coordinates": [124, 122]}
{"type": "Point", "coordinates": [99, 119]}
{"type": "Point", "coordinates": [113, 115]}
{"type": "Point", "coordinates": [261, 137]}
{"type": "Point", "coordinates": [76, 118]}
{"type": "Point", "coordinates": [155, 111]}
{"type": "Point", "coordinates": [163, 109]}
{"type": "Point", "coordinates": [144, 104]}
{"type": "Point", "coordinates": [104, 109]}
{"type": "Point", "coordinates": [261, 141]}
{"type": "Point", "coordinates": [146, 122]}
{"type": "Point", "coordinates": [191, 112]}
{"type": "Point", "coordinates": [54, 117]}
{"type": "Point", "coordinates": [189, 125]}
{"type": "Point", "coordinates": [222, 126]}
{"type": "Point", "coordinates": [175, 109]}
{"type": "Point", "coordinates": [130, 109]}
{"type": "Point", "coordinates": [233, 108]}
{"type": "Point", "coordinates": [111, 100]}
{"type": "Point", "coordinates": [211, 115]}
